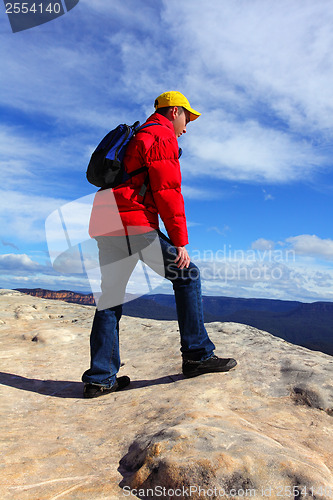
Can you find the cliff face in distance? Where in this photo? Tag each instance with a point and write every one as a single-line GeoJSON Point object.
{"type": "Point", "coordinates": [262, 430]}
{"type": "Point", "coordinates": [65, 295]}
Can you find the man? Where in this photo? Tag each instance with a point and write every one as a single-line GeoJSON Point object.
{"type": "Point", "coordinates": [156, 148]}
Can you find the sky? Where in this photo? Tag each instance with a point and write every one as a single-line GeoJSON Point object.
{"type": "Point", "coordinates": [257, 173]}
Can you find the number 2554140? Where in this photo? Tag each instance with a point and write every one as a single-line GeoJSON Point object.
{"type": "Point", "coordinates": [35, 8]}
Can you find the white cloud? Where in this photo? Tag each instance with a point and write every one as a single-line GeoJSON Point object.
{"type": "Point", "coordinates": [49, 282]}
{"type": "Point", "coordinates": [17, 263]}
{"type": "Point", "coordinates": [195, 193]}
{"type": "Point", "coordinates": [312, 245]}
{"type": "Point", "coordinates": [17, 154]}
{"type": "Point", "coordinates": [247, 151]}
{"type": "Point", "coordinates": [274, 53]}
{"type": "Point", "coordinates": [267, 278]}
{"type": "Point", "coordinates": [308, 246]}
{"type": "Point", "coordinates": [23, 216]}
{"type": "Point", "coordinates": [242, 274]}
{"type": "Point", "coordinates": [41, 162]}
{"type": "Point", "coordinates": [295, 271]}
{"type": "Point", "coordinates": [84, 84]}
{"type": "Point", "coordinates": [20, 270]}
{"type": "Point", "coordinates": [259, 71]}
{"type": "Point", "coordinates": [265, 68]}
{"type": "Point", "coordinates": [263, 244]}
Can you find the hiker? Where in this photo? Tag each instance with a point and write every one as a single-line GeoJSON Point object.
{"type": "Point", "coordinates": [155, 147]}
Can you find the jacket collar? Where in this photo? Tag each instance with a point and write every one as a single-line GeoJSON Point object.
{"type": "Point", "coordinates": [157, 118]}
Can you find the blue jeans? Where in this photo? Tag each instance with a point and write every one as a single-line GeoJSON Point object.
{"type": "Point", "coordinates": [104, 338]}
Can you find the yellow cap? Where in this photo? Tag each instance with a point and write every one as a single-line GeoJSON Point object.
{"type": "Point", "coordinates": [174, 98]}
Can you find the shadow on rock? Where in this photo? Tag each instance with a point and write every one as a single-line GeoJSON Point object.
{"type": "Point", "coordinates": [56, 388]}
{"type": "Point", "coordinates": [70, 389]}
{"type": "Point", "coordinates": [168, 379]}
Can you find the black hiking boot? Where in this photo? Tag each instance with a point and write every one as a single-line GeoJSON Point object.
{"type": "Point", "coordinates": [94, 391]}
{"type": "Point", "coordinates": [212, 365]}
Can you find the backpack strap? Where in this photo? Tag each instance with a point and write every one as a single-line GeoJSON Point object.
{"type": "Point", "coordinates": [144, 186]}
{"type": "Point", "coordinates": [136, 128]}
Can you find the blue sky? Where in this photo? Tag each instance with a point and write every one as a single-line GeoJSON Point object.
{"type": "Point", "coordinates": [256, 166]}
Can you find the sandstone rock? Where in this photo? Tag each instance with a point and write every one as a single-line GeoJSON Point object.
{"type": "Point", "coordinates": [65, 295]}
{"type": "Point", "coordinates": [263, 430]}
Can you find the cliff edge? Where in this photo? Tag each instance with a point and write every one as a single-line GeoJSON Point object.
{"type": "Point", "coordinates": [263, 430]}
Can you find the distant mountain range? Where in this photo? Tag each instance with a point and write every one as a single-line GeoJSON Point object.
{"type": "Point", "coordinates": [307, 325]}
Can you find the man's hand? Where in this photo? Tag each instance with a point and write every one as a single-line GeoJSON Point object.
{"type": "Point", "coordinates": [183, 258]}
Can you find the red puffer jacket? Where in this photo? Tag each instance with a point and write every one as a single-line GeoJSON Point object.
{"type": "Point", "coordinates": [155, 147]}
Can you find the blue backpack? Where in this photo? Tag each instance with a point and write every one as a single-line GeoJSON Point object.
{"type": "Point", "coordinates": [106, 168]}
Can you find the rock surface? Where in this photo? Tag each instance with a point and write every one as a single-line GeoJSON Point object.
{"type": "Point", "coordinates": [263, 430]}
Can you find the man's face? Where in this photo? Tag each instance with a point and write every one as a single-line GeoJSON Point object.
{"type": "Point", "coordinates": [180, 121]}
